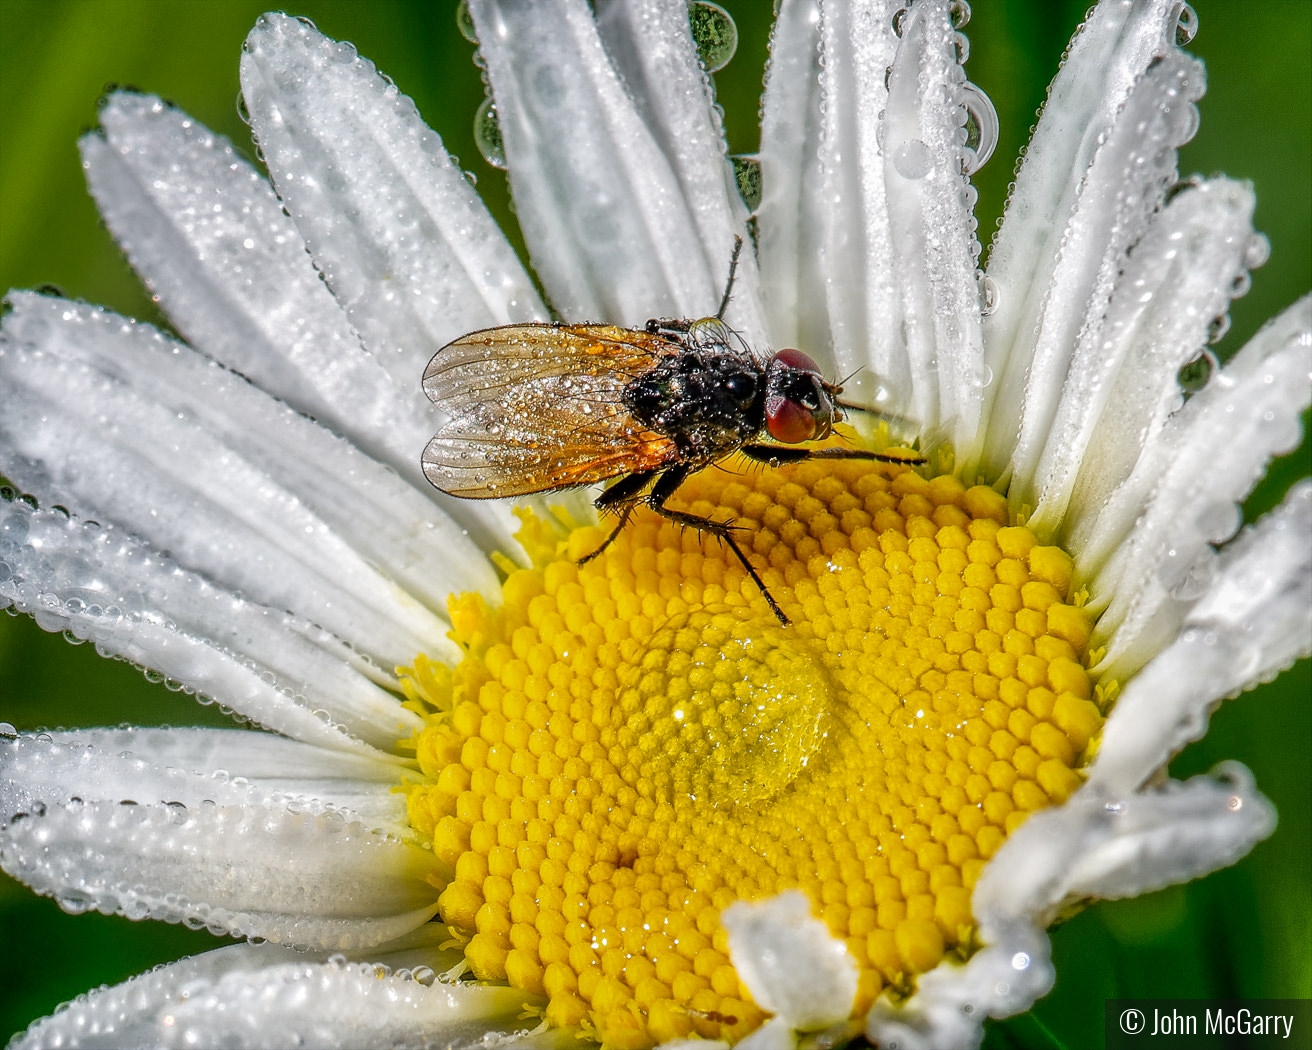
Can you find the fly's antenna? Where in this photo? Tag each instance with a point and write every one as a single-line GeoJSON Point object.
{"type": "Point", "coordinates": [733, 268]}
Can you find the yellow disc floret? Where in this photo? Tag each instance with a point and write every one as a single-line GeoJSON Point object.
{"type": "Point", "coordinates": [632, 745]}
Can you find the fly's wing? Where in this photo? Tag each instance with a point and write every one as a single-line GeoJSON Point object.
{"type": "Point", "coordinates": [535, 407]}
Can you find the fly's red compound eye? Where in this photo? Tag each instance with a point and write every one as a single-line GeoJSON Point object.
{"type": "Point", "coordinates": [792, 358]}
{"type": "Point", "coordinates": [797, 404]}
{"type": "Point", "coordinates": [790, 422]}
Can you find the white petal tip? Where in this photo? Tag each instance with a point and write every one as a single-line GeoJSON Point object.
{"type": "Point", "coordinates": [791, 964]}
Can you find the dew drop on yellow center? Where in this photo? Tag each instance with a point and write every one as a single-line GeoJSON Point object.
{"type": "Point", "coordinates": [631, 745]}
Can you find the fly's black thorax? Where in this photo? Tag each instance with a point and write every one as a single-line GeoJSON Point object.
{"type": "Point", "coordinates": [709, 402]}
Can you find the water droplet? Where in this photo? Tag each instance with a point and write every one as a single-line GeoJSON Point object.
{"type": "Point", "coordinates": [988, 295]}
{"type": "Point", "coordinates": [747, 173]}
{"type": "Point", "coordinates": [1258, 251]}
{"type": "Point", "coordinates": [1197, 373]}
{"type": "Point", "coordinates": [959, 12]}
{"type": "Point", "coordinates": [1241, 285]}
{"type": "Point", "coordinates": [913, 159]}
{"type": "Point", "coordinates": [981, 129]}
{"type": "Point", "coordinates": [961, 44]}
{"type": "Point", "coordinates": [899, 21]}
{"type": "Point", "coordinates": [1216, 331]}
{"type": "Point", "coordinates": [465, 22]}
{"type": "Point", "coordinates": [1186, 25]}
{"type": "Point", "coordinates": [1193, 584]}
{"type": "Point", "coordinates": [424, 975]}
{"type": "Point", "coordinates": [487, 134]}
{"type": "Point", "coordinates": [777, 695]}
{"type": "Point", "coordinates": [7, 731]}
{"type": "Point", "coordinates": [714, 33]}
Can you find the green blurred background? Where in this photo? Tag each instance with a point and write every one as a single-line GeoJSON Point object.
{"type": "Point", "coordinates": [1244, 932]}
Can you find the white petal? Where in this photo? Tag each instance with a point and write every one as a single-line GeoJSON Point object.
{"type": "Point", "coordinates": [824, 219]}
{"type": "Point", "coordinates": [192, 766]}
{"type": "Point", "coordinates": [263, 664]}
{"type": "Point", "coordinates": [603, 213]}
{"type": "Point", "coordinates": [120, 423]}
{"type": "Point", "coordinates": [1253, 622]}
{"type": "Point", "coordinates": [256, 997]}
{"type": "Point", "coordinates": [932, 230]}
{"type": "Point", "coordinates": [1106, 845]}
{"type": "Point", "coordinates": [854, 177]}
{"type": "Point", "coordinates": [206, 233]}
{"type": "Point", "coordinates": [651, 46]}
{"type": "Point", "coordinates": [1208, 457]}
{"type": "Point", "coordinates": [305, 879]}
{"type": "Point", "coordinates": [789, 961]}
{"type": "Point", "coordinates": [1263, 588]}
{"type": "Point", "coordinates": [1172, 836]}
{"type": "Point", "coordinates": [1118, 110]}
{"type": "Point", "coordinates": [791, 216]}
{"type": "Point", "coordinates": [1123, 381]}
{"type": "Point", "coordinates": [395, 227]}
{"type": "Point", "coordinates": [1098, 536]}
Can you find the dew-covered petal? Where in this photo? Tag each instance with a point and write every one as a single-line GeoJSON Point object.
{"type": "Point", "coordinates": [791, 215]}
{"type": "Point", "coordinates": [188, 767]}
{"type": "Point", "coordinates": [650, 44]}
{"type": "Point", "coordinates": [1004, 977]}
{"type": "Point", "coordinates": [208, 236]}
{"type": "Point", "coordinates": [603, 213]}
{"type": "Point", "coordinates": [1123, 381]}
{"type": "Point", "coordinates": [932, 227]}
{"type": "Point", "coordinates": [861, 164]}
{"type": "Point", "coordinates": [266, 996]}
{"type": "Point", "coordinates": [1118, 110]}
{"type": "Point", "coordinates": [1104, 845]}
{"type": "Point", "coordinates": [319, 880]}
{"type": "Point", "coordinates": [265, 665]}
{"type": "Point", "coordinates": [395, 227]}
{"type": "Point", "coordinates": [116, 421]}
{"type": "Point", "coordinates": [1188, 484]}
{"type": "Point", "coordinates": [1091, 846]}
{"type": "Point", "coordinates": [1253, 622]}
{"type": "Point", "coordinates": [824, 217]}
{"type": "Point", "coordinates": [1098, 536]}
{"type": "Point", "coordinates": [790, 963]}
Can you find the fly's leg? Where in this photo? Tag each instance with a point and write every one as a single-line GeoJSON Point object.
{"type": "Point", "coordinates": [664, 488]}
{"type": "Point", "coordinates": [774, 455]}
{"type": "Point", "coordinates": [733, 270]}
{"type": "Point", "coordinates": [621, 497]}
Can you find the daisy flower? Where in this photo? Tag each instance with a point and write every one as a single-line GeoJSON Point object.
{"type": "Point", "coordinates": [484, 792]}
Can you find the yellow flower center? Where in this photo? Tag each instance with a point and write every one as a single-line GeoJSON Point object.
{"type": "Point", "coordinates": [632, 745]}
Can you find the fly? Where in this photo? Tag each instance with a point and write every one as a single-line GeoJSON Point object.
{"type": "Point", "coordinates": [538, 407]}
